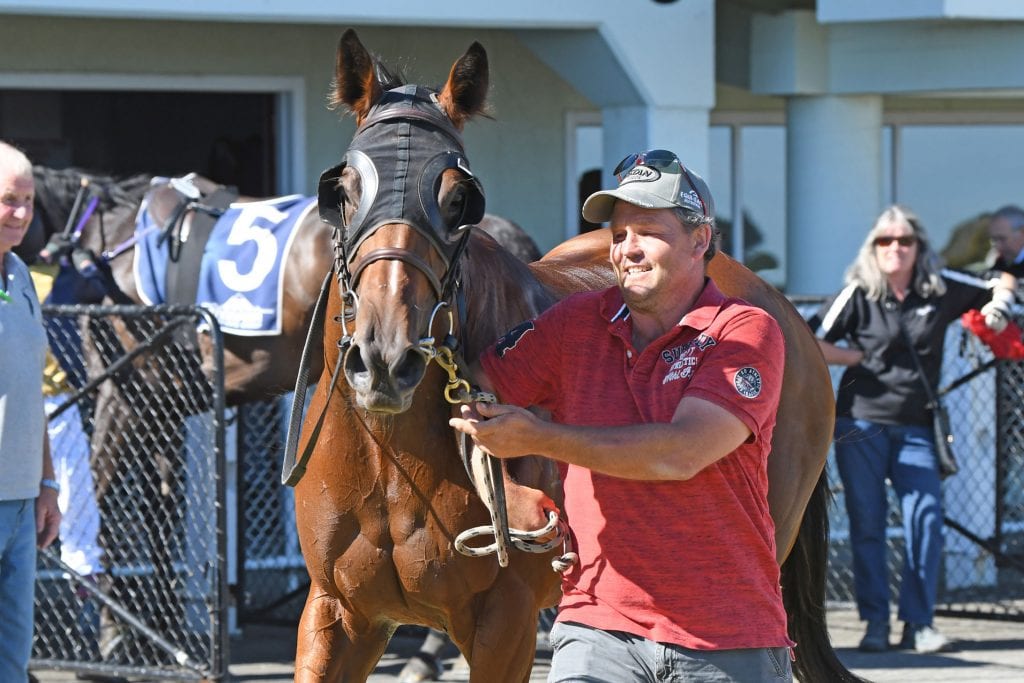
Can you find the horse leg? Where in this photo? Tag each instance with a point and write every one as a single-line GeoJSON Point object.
{"type": "Point", "coordinates": [504, 642]}
{"type": "Point", "coordinates": [334, 644]}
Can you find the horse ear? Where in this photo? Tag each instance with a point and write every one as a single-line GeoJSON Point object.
{"type": "Point", "coordinates": [464, 94]}
{"type": "Point", "coordinates": [355, 79]}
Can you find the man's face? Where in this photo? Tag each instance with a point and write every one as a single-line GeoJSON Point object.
{"type": "Point", "coordinates": [16, 195]}
{"type": "Point", "coordinates": [1007, 241]}
{"type": "Point", "coordinates": [654, 256]}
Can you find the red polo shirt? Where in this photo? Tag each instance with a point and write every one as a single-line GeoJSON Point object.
{"type": "Point", "coordinates": [685, 562]}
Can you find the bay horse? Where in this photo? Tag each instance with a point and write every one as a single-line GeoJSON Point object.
{"type": "Point", "coordinates": [385, 494]}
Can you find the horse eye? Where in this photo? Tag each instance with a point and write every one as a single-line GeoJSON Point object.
{"type": "Point", "coordinates": [453, 206]}
{"type": "Point", "coordinates": [350, 190]}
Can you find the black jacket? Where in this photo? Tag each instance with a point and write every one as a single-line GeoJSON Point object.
{"type": "Point", "coordinates": [886, 387]}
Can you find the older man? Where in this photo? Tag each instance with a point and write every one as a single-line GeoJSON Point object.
{"type": "Point", "coordinates": [29, 516]}
{"type": "Point", "coordinates": [1006, 232]}
{"type": "Point", "coordinates": [662, 394]}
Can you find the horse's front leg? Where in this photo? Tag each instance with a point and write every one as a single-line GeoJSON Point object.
{"type": "Point", "coordinates": [334, 645]}
{"type": "Point", "coordinates": [504, 643]}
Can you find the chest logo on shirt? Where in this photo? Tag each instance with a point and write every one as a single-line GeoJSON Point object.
{"type": "Point", "coordinates": [509, 340]}
{"type": "Point", "coordinates": [684, 358]}
{"type": "Point", "coordinates": [747, 382]}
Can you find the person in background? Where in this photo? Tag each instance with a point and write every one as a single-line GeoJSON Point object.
{"type": "Point", "coordinates": [667, 460]}
{"type": "Point", "coordinates": [1006, 233]}
{"type": "Point", "coordinates": [69, 443]}
{"type": "Point", "coordinates": [29, 513]}
{"type": "Point", "coordinates": [896, 298]}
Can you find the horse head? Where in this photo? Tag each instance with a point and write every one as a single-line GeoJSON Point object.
{"type": "Point", "coordinates": [402, 203]}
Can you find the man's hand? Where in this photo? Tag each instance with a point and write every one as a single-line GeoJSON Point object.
{"type": "Point", "coordinates": [502, 430]}
{"type": "Point", "coordinates": [527, 507]}
{"type": "Point", "coordinates": [59, 245]}
{"type": "Point", "coordinates": [47, 517]}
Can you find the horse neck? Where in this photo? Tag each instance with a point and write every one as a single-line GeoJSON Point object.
{"type": "Point", "coordinates": [500, 292]}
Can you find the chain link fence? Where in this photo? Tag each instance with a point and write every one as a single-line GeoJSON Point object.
{"type": "Point", "coordinates": [135, 585]}
{"type": "Point", "coordinates": [982, 569]}
{"type": "Point", "coordinates": [272, 581]}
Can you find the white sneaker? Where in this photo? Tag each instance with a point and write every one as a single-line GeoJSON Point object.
{"type": "Point", "coordinates": [923, 639]}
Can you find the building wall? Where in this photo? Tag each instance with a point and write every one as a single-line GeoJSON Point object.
{"type": "Point", "coordinates": [519, 154]}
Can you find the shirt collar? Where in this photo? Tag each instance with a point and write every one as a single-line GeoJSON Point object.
{"type": "Point", "coordinates": [704, 310]}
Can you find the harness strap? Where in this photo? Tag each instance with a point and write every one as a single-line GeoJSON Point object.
{"type": "Point", "coordinates": [395, 254]}
{"type": "Point", "coordinates": [292, 471]}
{"type": "Point", "coordinates": [183, 272]}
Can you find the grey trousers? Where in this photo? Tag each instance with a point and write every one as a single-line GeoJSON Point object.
{"type": "Point", "coordinates": [587, 655]}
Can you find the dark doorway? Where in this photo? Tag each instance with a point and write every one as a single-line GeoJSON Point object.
{"type": "Point", "coordinates": [228, 137]}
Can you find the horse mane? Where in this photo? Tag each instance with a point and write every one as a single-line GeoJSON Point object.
{"type": "Point", "coordinates": [510, 235]}
{"type": "Point", "coordinates": [501, 291]}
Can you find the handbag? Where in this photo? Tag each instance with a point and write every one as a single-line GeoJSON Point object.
{"type": "Point", "coordinates": [948, 465]}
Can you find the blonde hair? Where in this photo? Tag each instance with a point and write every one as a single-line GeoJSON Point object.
{"type": "Point", "coordinates": [865, 273]}
{"type": "Point", "coordinates": [13, 160]}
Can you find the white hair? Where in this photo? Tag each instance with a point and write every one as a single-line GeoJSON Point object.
{"type": "Point", "coordinates": [13, 160]}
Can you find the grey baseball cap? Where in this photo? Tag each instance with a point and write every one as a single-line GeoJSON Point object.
{"type": "Point", "coordinates": [656, 180]}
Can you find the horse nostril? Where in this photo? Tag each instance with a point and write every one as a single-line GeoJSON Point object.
{"type": "Point", "coordinates": [356, 372]}
{"type": "Point", "coordinates": [409, 371]}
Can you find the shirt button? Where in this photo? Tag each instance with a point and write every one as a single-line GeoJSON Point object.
{"type": "Point", "coordinates": [629, 354]}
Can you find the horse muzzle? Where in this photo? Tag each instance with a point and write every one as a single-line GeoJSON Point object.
{"type": "Point", "coordinates": [384, 381]}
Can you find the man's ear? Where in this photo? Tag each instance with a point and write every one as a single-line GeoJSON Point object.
{"type": "Point", "coordinates": [702, 239]}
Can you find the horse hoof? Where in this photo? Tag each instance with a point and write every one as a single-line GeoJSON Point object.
{"type": "Point", "coordinates": [421, 667]}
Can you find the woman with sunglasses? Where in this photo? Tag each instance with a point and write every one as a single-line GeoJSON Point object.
{"type": "Point", "coordinates": [897, 302]}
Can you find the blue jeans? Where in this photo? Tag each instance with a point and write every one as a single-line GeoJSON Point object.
{"type": "Point", "coordinates": [867, 454]}
{"type": "Point", "coordinates": [586, 654]}
{"type": "Point", "coordinates": [17, 586]}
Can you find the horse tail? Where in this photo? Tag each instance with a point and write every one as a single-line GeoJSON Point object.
{"type": "Point", "coordinates": [803, 592]}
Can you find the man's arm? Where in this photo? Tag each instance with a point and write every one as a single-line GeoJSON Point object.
{"type": "Point", "coordinates": [699, 434]}
{"type": "Point", "coordinates": [47, 511]}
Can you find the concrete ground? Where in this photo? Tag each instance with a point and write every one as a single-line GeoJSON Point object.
{"type": "Point", "coordinates": [986, 651]}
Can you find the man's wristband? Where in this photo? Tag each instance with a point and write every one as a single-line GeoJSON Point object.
{"type": "Point", "coordinates": [50, 484]}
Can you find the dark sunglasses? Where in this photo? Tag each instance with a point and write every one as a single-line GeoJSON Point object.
{"type": "Point", "coordinates": [661, 159]}
{"type": "Point", "coordinates": [905, 241]}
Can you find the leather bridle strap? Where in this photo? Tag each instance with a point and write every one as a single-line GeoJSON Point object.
{"type": "Point", "coordinates": [395, 254]}
{"type": "Point", "coordinates": [292, 470]}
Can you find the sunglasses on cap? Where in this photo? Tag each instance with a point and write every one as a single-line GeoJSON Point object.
{"type": "Point", "coordinates": [661, 159]}
{"type": "Point", "coordinates": [904, 241]}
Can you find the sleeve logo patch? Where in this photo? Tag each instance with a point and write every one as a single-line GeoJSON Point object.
{"type": "Point", "coordinates": [509, 340]}
{"type": "Point", "coordinates": [748, 382]}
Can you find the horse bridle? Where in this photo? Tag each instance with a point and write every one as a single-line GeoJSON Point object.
{"type": "Point", "coordinates": [400, 166]}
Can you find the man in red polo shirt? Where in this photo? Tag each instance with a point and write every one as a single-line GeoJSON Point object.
{"type": "Point", "coordinates": [660, 398]}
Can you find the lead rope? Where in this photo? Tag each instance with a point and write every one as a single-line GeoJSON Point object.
{"type": "Point", "coordinates": [491, 472]}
